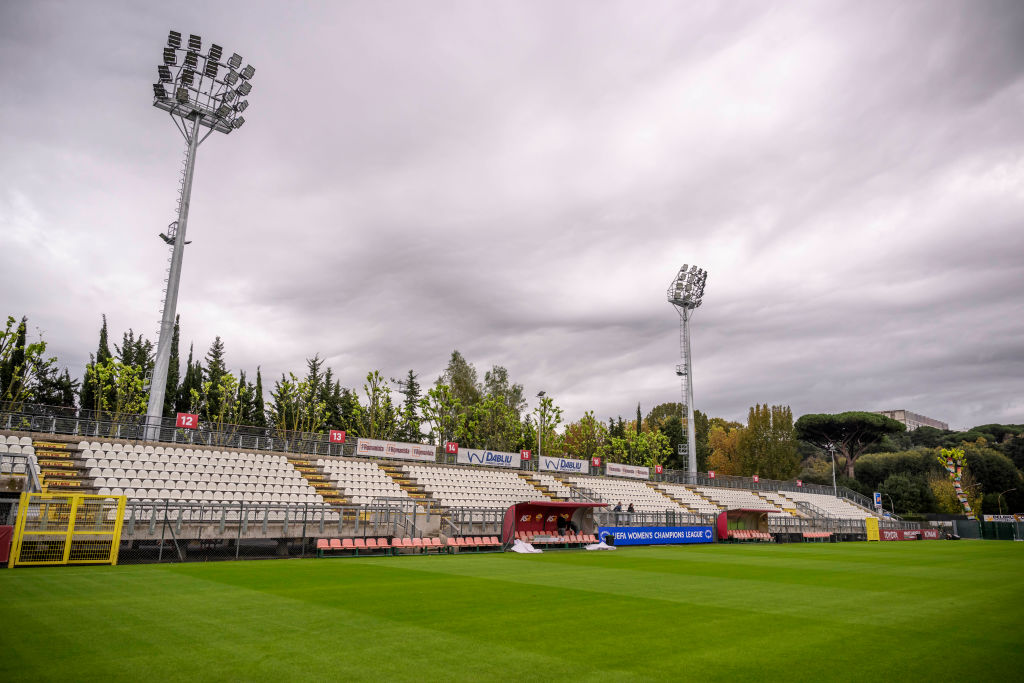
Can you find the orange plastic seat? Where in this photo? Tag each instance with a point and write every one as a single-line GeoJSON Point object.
{"type": "Point", "coordinates": [346, 543]}
{"type": "Point", "coordinates": [322, 544]}
{"type": "Point", "coordinates": [371, 543]}
{"type": "Point", "coordinates": [335, 544]}
{"type": "Point", "coordinates": [360, 543]}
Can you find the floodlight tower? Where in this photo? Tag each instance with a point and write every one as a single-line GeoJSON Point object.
{"type": "Point", "coordinates": [686, 293]}
{"type": "Point", "coordinates": [205, 96]}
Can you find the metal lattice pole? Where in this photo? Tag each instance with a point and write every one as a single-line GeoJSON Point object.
{"type": "Point", "coordinates": [686, 293]}
{"type": "Point", "coordinates": [206, 95]}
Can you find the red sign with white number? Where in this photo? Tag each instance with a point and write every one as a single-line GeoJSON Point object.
{"type": "Point", "coordinates": [595, 461]}
{"type": "Point", "coordinates": [337, 436]}
{"type": "Point", "coordinates": [799, 482]}
{"type": "Point", "coordinates": [451, 447]}
{"type": "Point", "coordinates": [756, 478]}
{"type": "Point", "coordinates": [525, 455]}
{"type": "Point", "coordinates": [187, 421]}
{"type": "Point", "coordinates": [658, 469]}
{"type": "Point", "coordinates": [711, 474]}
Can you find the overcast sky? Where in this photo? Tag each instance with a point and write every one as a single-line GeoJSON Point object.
{"type": "Point", "coordinates": [522, 180]}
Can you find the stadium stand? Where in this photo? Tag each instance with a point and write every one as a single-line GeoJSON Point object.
{"type": "Point", "coordinates": [612, 491]}
{"type": "Point", "coordinates": [457, 487]}
{"type": "Point", "coordinates": [836, 507]}
{"type": "Point", "coordinates": [688, 498]}
{"type": "Point", "coordinates": [740, 498]}
{"type": "Point", "coordinates": [361, 481]}
{"type": "Point", "coordinates": [557, 488]}
{"type": "Point", "coordinates": [150, 473]}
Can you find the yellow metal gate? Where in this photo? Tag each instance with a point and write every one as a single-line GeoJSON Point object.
{"type": "Point", "coordinates": [67, 528]}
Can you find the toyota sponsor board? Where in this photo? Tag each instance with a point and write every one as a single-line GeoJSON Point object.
{"type": "Point", "coordinates": [907, 534]}
{"type": "Point", "coordinates": [472, 456]}
{"type": "Point", "coordinates": [654, 535]}
{"type": "Point", "coordinates": [617, 469]}
{"type": "Point", "coordinates": [394, 449]}
{"type": "Point", "coordinates": [564, 465]}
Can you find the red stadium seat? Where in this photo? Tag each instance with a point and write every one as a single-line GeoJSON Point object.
{"type": "Point", "coordinates": [321, 546]}
{"type": "Point", "coordinates": [335, 544]}
{"type": "Point", "coordinates": [346, 544]}
{"type": "Point", "coordinates": [371, 543]}
{"type": "Point", "coordinates": [360, 544]}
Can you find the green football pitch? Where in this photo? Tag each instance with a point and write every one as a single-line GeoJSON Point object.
{"type": "Point", "coordinates": [927, 610]}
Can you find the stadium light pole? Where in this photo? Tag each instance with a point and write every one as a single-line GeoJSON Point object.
{"type": "Point", "coordinates": [686, 293]}
{"type": "Point", "coordinates": [205, 96]}
{"type": "Point", "coordinates": [540, 430]}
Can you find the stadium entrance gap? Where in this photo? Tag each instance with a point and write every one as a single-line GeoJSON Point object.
{"type": "Point", "coordinates": [542, 516]}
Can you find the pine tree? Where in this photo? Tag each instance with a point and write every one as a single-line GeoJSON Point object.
{"type": "Point", "coordinates": [257, 409]}
{"type": "Point", "coordinates": [639, 418]}
{"type": "Point", "coordinates": [87, 396]}
{"type": "Point", "coordinates": [215, 369]}
{"type": "Point", "coordinates": [409, 420]}
{"type": "Point", "coordinates": [173, 371]}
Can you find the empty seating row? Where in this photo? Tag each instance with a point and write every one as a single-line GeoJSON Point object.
{"type": "Point", "coordinates": [615, 491]}
{"type": "Point", "coordinates": [733, 499]}
{"type": "Point", "coordinates": [749, 535]}
{"type": "Point", "coordinates": [817, 535]}
{"type": "Point", "coordinates": [15, 440]}
{"type": "Point", "coordinates": [548, 538]}
{"type": "Point", "coordinates": [325, 547]}
{"type": "Point", "coordinates": [830, 505]}
{"type": "Point", "coordinates": [152, 495]}
{"type": "Point", "coordinates": [481, 488]}
{"type": "Point", "coordinates": [689, 498]}
{"type": "Point", "coordinates": [145, 512]}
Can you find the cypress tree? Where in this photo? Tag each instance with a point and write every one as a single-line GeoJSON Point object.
{"type": "Point", "coordinates": [87, 395]}
{"type": "Point", "coordinates": [258, 411]}
{"type": "Point", "coordinates": [173, 372]}
{"type": "Point", "coordinates": [639, 418]}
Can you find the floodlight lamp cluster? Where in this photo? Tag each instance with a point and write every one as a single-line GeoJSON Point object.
{"type": "Point", "coordinates": [201, 86]}
{"type": "Point", "coordinates": [687, 289]}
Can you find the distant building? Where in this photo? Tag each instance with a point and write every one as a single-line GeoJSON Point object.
{"type": "Point", "coordinates": [912, 420]}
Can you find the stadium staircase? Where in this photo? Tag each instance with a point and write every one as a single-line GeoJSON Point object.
{"type": "Point", "coordinates": [653, 486]}
{"type": "Point", "coordinates": [318, 479]}
{"type": "Point", "coordinates": [680, 501]}
{"type": "Point", "coordinates": [406, 483]}
{"type": "Point", "coordinates": [795, 512]}
{"type": "Point", "coordinates": [539, 486]}
{"type": "Point", "coordinates": [60, 470]}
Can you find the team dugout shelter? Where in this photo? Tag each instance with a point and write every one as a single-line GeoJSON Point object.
{"type": "Point", "coordinates": [541, 517]}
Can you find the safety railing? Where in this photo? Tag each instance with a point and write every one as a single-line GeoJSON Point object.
{"type": "Point", "coordinates": [20, 465]}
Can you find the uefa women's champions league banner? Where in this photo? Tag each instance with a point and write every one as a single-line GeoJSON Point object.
{"type": "Point", "coordinates": [634, 471]}
{"type": "Point", "coordinates": [472, 456]}
{"type": "Point", "coordinates": [395, 449]}
{"type": "Point", "coordinates": [551, 464]}
{"type": "Point", "coordinates": [655, 535]}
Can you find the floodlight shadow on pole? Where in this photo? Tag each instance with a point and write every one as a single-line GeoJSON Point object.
{"type": "Point", "coordinates": [686, 293]}
{"type": "Point", "coordinates": [199, 106]}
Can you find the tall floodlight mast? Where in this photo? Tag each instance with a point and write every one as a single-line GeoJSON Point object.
{"type": "Point", "coordinates": [202, 94]}
{"type": "Point", "coordinates": [686, 293]}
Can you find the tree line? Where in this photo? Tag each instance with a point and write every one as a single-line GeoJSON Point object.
{"type": "Point", "coordinates": [492, 411]}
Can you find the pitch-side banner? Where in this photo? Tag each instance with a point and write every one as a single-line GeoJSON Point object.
{"type": "Point", "coordinates": [564, 465]}
{"type": "Point", "coordinates": [655, 535]}
{"type": "Point", "coordinates": [470, 456]}
{"type": "Point", "coordinates": [394, 449]}
{"type": "Point", "coordinates": [616, 469]}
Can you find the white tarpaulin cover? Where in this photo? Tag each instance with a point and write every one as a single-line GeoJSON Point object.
{"type": "Point", "coordinates": [523, 547]}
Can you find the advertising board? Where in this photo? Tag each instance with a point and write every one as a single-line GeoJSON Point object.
{"type": "Point", "coordinates": [616, 469]}
{"type": "Point", "coordinates": [552, 464]}
{"type": "Point", "coordinates": [655, 535]}
{"type": "Point", "coordinates": [472, 456]}
{"type": "Point", "coordinates": [395, 449]}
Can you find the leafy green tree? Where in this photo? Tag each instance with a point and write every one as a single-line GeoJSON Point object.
{"type": "Point", "coordinates": [87, 399]}
{"type": "Point", "coordinates": [191, 385]}
{"type": "Point", "coordinates": [379, 418]}
{"type": "Point", "coordinates": [27, 374]}
{"type": "Point", "coordinates": [767, 446]}
{"type": "Point", "coordinates": [548, 416]}
{"type": "Point", "coordinates": [908, 494]}
{"type": "Point", "coordinates": [645, 449]}
{"type": "Point", "coordinates": [852, 433]}
{"type": "Point", "coordinates": [441, 409]}
{"type": "Point", "coordinates": [586, 437]}
{"type": "Point", "coordinates": [461, 377]}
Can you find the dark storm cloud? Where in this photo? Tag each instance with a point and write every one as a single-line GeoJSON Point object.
{"type": "Point", "coordinates": [522, 181]}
